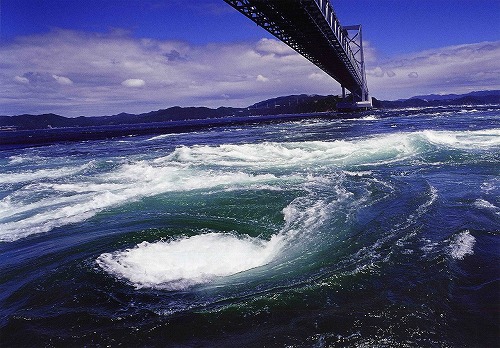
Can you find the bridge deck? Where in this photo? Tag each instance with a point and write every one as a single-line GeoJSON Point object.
{"type": "Point", "coordinates": [311, 28]}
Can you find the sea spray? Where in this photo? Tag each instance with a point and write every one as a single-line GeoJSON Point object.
{"type": "Point", "coordinates": [70, 194]}
{"type": "Point", "coordinates": [184, 262]}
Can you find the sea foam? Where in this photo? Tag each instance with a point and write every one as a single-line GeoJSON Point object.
{"type": "Point", "coordinates": [53, 197]}
{"type": "Point", "coordinates": [188, 261]}
{"type": "Point", "coordinates": [462, 245]}
{"type": "Point", "coordinates": [179, 264]}
{"type": "Point", "coordinates": [480, 139]}
{"type": "Point", "coordinates": [484, 204]}
{"type": "Point", "coordinates": [39, 208]}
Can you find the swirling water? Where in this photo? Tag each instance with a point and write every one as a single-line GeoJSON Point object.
{"type": "Point", "coordinates": [381, 230]}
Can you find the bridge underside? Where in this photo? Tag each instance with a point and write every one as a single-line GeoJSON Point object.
{"type": "Point", "coordinates": [311, 28]}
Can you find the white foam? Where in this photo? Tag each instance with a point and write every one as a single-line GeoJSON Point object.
{"type": "Point", "coordinates": [19, 159]}
{"type": "Point", "coordinates": [181, 263]}
{"type": "Point", "coordinates": [36, 175]}
{"type": "Point", "coordinates": [492, 185]}
{"type": "Point", "coordinates": [481, 203]}
{"type": "Point", "coordinates": [373, 150]}
{"type": "Point", "coordinates": [462, 245]}
{"type": "Point", "coordinates": [21, 220]}
{"type": "Point", "coordinates": [370, 118]}
{"type": "Point", "coordinates": [480, 139]}
{"type": "Point", "coordinates": [52, 202]}
{"type": "Point", "coordinates": [54, 197]}
{"type": "Point", "coordinates": [484, 204]}
{"type": "Point", "coordinates": [358, 173]}
{"type": "Point", "coordinates": [38, 208]}
{"type": "Point", "coordinates": [163, 136]}
{"type": "Point", "coordinates": [185, 262]}
{"type": "Point", "coordinates": [422, 209]}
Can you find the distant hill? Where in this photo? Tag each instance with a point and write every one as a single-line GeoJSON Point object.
{"type": "Point", "coordinates": [292, 104]}
{"type": "Point", "coordinates": [295, 104]}
{"type": "Point", "coordinates": [283, 105]}
{"type": "Point", "coordinates": [171, 114]}
{"type": "Point", "coordinates": [472, 98]}
{"type": "Point", "coordinates": [479, 94]}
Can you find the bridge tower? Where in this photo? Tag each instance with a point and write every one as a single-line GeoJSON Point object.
{"type": "Point", "coordinates": [312, 29]}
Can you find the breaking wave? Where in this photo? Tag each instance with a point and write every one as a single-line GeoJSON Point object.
{"type": "Point", "coordinates": [50, 197]}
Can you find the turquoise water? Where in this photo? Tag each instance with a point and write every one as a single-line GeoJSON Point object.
{"type": "Point", "coordinates": [381, 230]}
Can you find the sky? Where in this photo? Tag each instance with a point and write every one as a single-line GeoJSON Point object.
{"type": "Point", "coordinates": [103, 57]}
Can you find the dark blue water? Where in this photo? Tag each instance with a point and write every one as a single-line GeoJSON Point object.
{"type": "Point", "coordinates": [377, 231]}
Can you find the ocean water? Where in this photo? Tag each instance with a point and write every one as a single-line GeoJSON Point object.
{"type": "Point", "coordinates": [380, 229]}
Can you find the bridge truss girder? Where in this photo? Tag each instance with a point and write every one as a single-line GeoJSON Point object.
{"type": "Point", "coordinates": [312, 29]}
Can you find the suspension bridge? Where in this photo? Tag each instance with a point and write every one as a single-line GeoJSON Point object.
{"type": "Point", "coordinates": [312, 29]}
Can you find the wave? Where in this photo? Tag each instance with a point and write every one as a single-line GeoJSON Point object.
{"type": "Point", "coordinates": [163, 136]}
{"type": "Point", "coordinates": [39, 208]}
{"type": "Point", "coordinates": [484, 204]}
{"type": "Point", "coordinates": [22, 159]}
{"type": "Point", "coordinates": [14, 177]}
{"type": "Point", "coordinates": [374, 150]}
{"type": "Point", "coordinates": [482, 139]}
{"type": "Point", "coordinates": [53, 197]}
{"type": "Point", "coordinates": [181, 263]}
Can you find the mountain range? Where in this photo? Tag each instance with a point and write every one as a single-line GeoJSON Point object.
{"type": "Point", "coordinates": [472, 98]}
{"type": "Point", "coordinates": [293, 104]}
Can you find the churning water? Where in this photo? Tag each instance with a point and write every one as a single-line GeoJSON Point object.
{"type": "Point", "coordinates": [377, 231]}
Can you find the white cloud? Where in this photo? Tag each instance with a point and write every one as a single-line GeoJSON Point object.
{"type": "Point", "coordinates": [62, 80]}
{"type": "Point", "coordinates": [454, 69]}
{"type": "Point", "coordinates": [390, 73]}
{"type": "Point", "coordinates": [168, 72]}
{"type": "Point", "coordinates": [318, 76]}
{"type": "Point", "coordinates": [134, 83]}
{"type": "Point", "coordinates": [261, 78]}
{"type": "Point", "coordinates": [178, 73]}
{"type": "Point", "coordinates": [270, 46]}
{"type": "Point", "coordinates": [377, 72]}
{"type": "Point", "coordinates": [21, 79]}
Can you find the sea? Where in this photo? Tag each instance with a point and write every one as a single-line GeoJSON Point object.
{"type": "Point", "coordinates": [372, 229]}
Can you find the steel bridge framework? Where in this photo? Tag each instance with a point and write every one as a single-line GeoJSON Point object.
{"type": "Point", "coordinates": [312, 29]}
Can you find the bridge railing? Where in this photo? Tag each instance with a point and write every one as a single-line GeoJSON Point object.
{"type": "Point", "coordinates": [331, 18]}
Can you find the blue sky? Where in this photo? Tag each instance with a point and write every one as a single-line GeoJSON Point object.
{"type": "Point", "coordinates": [107, 56]}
